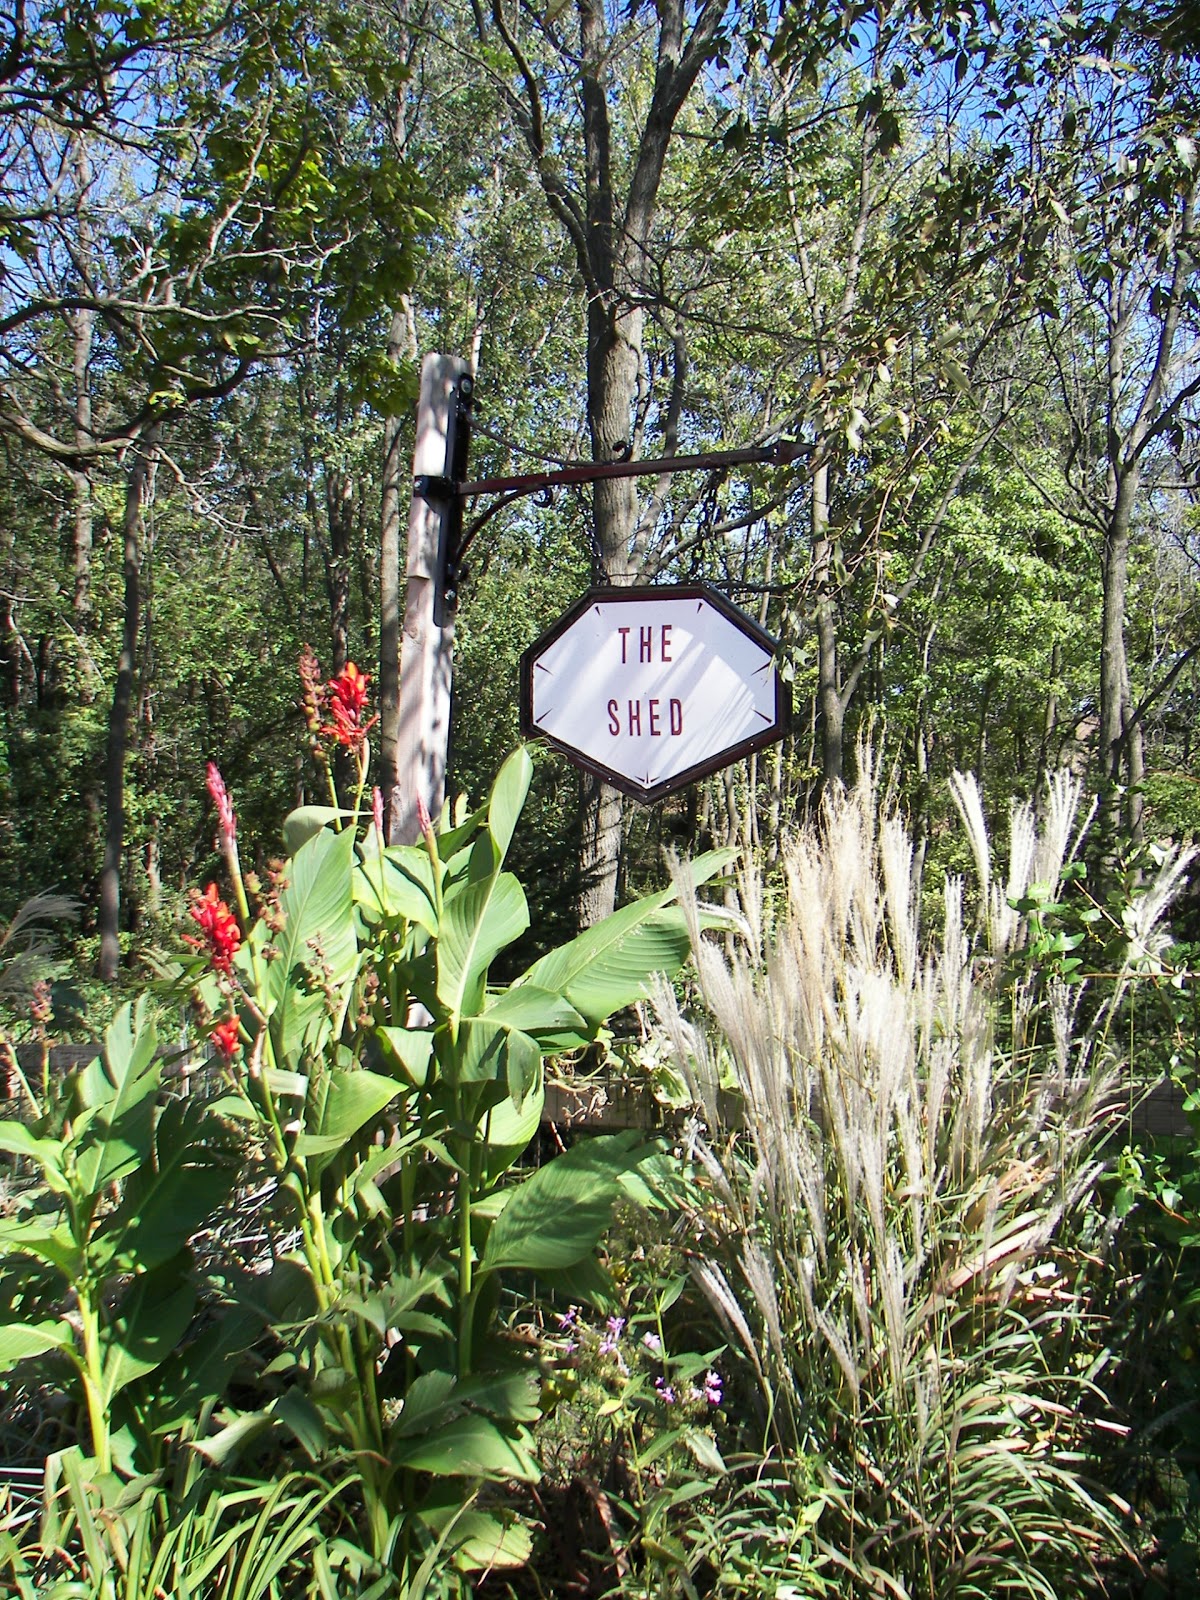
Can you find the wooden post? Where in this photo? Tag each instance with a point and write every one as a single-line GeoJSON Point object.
{"type": "Point", "coordinates": [427, 642]}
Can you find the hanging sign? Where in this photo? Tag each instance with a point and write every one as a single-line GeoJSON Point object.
{"type": "Point", "coordinates": [653, 688]}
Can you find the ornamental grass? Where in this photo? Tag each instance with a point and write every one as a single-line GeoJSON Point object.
{"type": "Point", "coordinates": [903, 1216]}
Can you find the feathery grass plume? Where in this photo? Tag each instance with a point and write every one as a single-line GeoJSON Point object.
{"type": "Point", "coordinates": [28, 944]}
{"type": "Point", "coordinates": [899, 1220]}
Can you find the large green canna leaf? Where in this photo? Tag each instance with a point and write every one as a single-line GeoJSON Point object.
{"type": "Point", "coordinates": [20, 1341]}
{"type": "Point", "coordinates": [522, 1067]}
{"type": "Point", "coordinates": [506, 1130]}
{"type": "Point", "coordinates": [188, 1173]}
{"type": "Point", "coordinates": [399, 883]}
{"type": "Point", "coordinates": [553, 1220]}
{"type": "Point", "coordinates": [480, 1053]}
{"type": "Point", "coordinates": [16, 1138]}
{"type": "Point", "coordinates": [585, 1282]}
{"type": "Point", "coordinates": [301, 825]}
{"type": "Point", "coordinates": [483, 1541]}
{"type": "Point", "coordinates": [200, 1370]}
{"type": "Point", "coordinates": [152, 1318]}
{"type": "Point", "coordinates": [507, 799]}
{"type": "Point", "coordinates": [428, 1403]}
{"type": "Point", "coordinates": [318, 931]}
{"type": "Point", "coordinates": [55, 1246]}
{"type": "Point", "coordinates": [480, 920]}
{"type": "Point", "coordinates": [469, 1446]}
{"type": "Point", "coordinates": [557, 1215]}
{"type": "Point", "coordinates": [351, 1100]}
{"type": "Point", "coordinates": [411, 1049]}
{"type": "Point", "coordinates": [118, 1090]}
{"type": "Point", "coordinates": [490, 1051]}
{"type": "Point", "coordinates": [609, 965]}
{"type": "Point", "coordinates": [545, 1016]}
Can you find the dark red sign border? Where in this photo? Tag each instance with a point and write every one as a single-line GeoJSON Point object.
{"type": "Point", "coordinates": [635, 594]}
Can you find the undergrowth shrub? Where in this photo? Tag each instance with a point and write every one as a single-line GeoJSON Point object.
{"type": "Point", "coordinates": [902, 1214]}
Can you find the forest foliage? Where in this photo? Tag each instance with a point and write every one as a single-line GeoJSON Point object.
{"type": "Point", "coordinates": [951, 250]}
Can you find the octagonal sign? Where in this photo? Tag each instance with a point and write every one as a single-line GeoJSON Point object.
{"type": "Point", "coordinates": [653, 688]}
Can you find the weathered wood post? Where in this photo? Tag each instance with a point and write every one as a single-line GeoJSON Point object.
{"type": "Point", "coordinates": [427, 640]}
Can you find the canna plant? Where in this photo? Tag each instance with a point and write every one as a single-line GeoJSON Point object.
{"type": "Point", "coordinates": [389, 1089]}
{"type": "Point", "coordinates": [96, 1270]}
{"type": "Point", "coordinates": [378, 1088]}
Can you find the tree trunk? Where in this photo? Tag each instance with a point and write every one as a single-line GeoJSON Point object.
{"type": "Point", "coordinates": [829, 690]}
{"type": "Point", "coordinates": [1114, 670]}
{"type": "Point", "coordinates": [81, 487]}
{"type": "Point", "coordinates": [82, 323]}
{"type": "Point", "coordinates": [1050, 718]}
{"type": "Point", "coordinates": [402, 345]}
{"type": "Point", "coordinates": [614, 358]}
{"type": "Point", "coordinates": [610, 239]}
{"type": "Point", "coordinates": [138, 489]}
{"type": "Point", "coordinates": [339, 520]}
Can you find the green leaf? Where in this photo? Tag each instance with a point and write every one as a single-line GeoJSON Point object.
{"type": "Point", "coordinates": [452, 840]}
{"type": "Point", "coordinates": [200, 1372]}
{"type": "Point", "coordinates": [118, 1090]}
{"type": "Point", "coordinates": [55, 1247]}
{"type": "Point", "coordinates": [480, 1052]}
{"type": "Point", "coordinates": [400, 882]}
{"type": "Point", "coordinates": [301, 825]}
{"type": "Point", "coordinates": [609, 965]}
{"type": "Point", "coordinates": [298, 1414]}
{"type": "Point", "coordinates": [507, 800]}
{"type": "Point", "coordinates": [506, 1130]}
{"type": "Point", "coordinates": [22, 1341]}
{"type": "Point", "coordinates": [507, 1396]}
{"type": "Point", "coordinates": [318, 929]}
{"type": "Point", "coordinates": [553, 1220]}
{"type": "Point", "coordinates": [152, 1318]}
{"type": "Point", "coordinates": [481, 920]}
{"type": "Point", "coordinates": [16, 1138]}
{"type": "Point", "coordinates": [429, 1401]}
{"type": "Point", "coordinates": [483, 1541]}
{"type": "Point", "coordinates": [704, 1447]}
{"type": "Point", "coordinates": [187, 1175]}
{"type": "Point", "coordinates": [522, 1066]}
{"type": "Point", "coordinates": [352, 1100]}
{"type": "Point", "coordinates": [286, 1085]}
{"type": "Point", "coordinates": [223, 1446]}
{"type": "Point", "coordinates": [471, 1445]}
{"type": "Point", "coordinates": [548, 1017]}
{"type": "Point", "coordinates": [411, 1049]}
{"type": "Point", "coordinates": [584, 1282]}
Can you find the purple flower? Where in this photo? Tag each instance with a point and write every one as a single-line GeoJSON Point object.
{"type": "Point", "coordinates": [712, 1387]}
{"type": "Point", "coordinates": [615, 1326]}
{"type": "Point", "coordinates": [653, 1343]}
{"type": "Point", "coordinates": [568, 1318]}
{"type": "Point", "coordinates": [665, 1392]}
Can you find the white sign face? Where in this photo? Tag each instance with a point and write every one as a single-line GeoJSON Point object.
{"type": "Point", "coordinates": [652, 688]}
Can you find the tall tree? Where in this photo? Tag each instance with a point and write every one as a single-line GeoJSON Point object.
{"type": "Point", "coordinates": [182, 203]}
{"type": "Point", "coordinates": [601, 173]}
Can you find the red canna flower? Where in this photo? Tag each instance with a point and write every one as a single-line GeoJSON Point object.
{"type": "Point", "coordinates": [346, 702]}
{"type": "Point", "coordinates": [225, 1038]}
{"type": "Point", "coordinates": [222, 936]}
